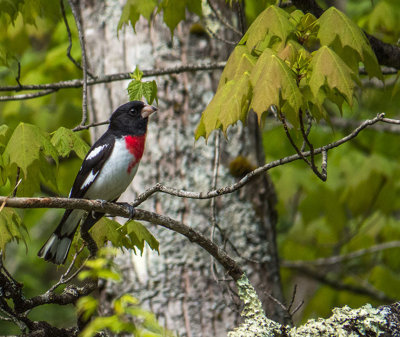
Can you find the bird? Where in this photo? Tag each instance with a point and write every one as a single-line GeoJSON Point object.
{"type": "Point", "coordinates": [106, 172]}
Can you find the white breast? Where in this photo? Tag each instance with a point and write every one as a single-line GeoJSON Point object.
{"type": "Point", "coordinates": [113, 178]}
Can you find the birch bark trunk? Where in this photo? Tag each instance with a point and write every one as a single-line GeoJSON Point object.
{"type": "Point", "coordinates": [182, 285]}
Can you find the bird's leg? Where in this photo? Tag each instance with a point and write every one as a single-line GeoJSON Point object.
{"type": "Point", "coordinates": [87, 238]}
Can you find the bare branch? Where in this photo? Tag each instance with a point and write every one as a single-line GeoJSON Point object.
{"type": "Point", "coordinates": [77, 83]}
{"type": "Point", "coordinates": [118, 209]}
{"type": "Point", "coordinates": [27, 96]}
{"type": "Point", "coordinates": [337, 284]}
{"type": "Point", "coordinates": [345, 257]}
{"type": "Point", "coordinates": [231, 188]}
{"type": "Point", "coordinates": [219, 38]}
{"type": "Point", "coordinates": [64, 16]}
{"type": "Point", "coordinates": [219, 16]}
{"type": "Point", "coordinates": [84, 127]}
{"type": "Point", "coordinates": [76, 11]}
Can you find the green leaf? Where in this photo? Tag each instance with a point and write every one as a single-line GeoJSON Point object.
{"type": "Point", "coordinates": [11, 228]}
{"type": "Point", "coordinates": [65, 141]}
{"type": "Point", "coordinates": [25, 146]}
{"type": "Point", "coordinates": [138, 89]}
{"type": "Point", "coordinates": [86, 306]}
{"type": "Point", "coordinates": [238, 63]}
{"type": "Point", "coordinates": [132, 11]}
{"type": "Point", "coordinates": [138, 235]}
{"type": "Point", "coordinates": [329, 71]}
{"type": "Point", "coordinates": [107, 230]}
{"type": "Point", "coordinates": [348, 41]}
{"type": "Point", "coordinates": [5, 133]}
{"type": "Point", "coordinates": [174, 12]}
{"type": "Point", "coordinates": [137, 74]}
{"type": "Point", "coordinates": [150, 91]}
{"type": "Point", "coordinates": [273, 21]}
{"type": "Point", "coordinates": [274, 83]}
{"type": "Point", "coordinates": [229, 105]}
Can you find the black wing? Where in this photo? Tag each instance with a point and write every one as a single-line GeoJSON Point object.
{"type": "Point", "coordinates": [92, 164]}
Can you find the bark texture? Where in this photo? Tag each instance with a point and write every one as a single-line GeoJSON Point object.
{"type": "Point", "coordinates": [182, 285]}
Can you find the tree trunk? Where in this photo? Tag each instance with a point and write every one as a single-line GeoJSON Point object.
{"type": "Point", "coordinates": [183, 286]}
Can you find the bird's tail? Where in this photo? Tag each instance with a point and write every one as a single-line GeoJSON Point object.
{"type": "Point", "coordinates": [56, 248]}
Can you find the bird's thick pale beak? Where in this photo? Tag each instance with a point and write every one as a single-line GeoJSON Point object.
{"type": "Point", "coordinates": [148, 110]}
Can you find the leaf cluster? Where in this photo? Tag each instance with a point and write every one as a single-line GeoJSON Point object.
{"type": "Point", "coordinates": [127, 315]}
{"type": "Point", "coordinates": [292, 62]}
{"type": "Point", "coordinates": [174, 11]}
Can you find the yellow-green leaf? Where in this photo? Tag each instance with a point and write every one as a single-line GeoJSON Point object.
{"type": "Point", "coordinates": [329, 70]}
{"type": "Point", "coordinates": [273, 21]}
{"type": "Point", "coordinates": [65, 141]}
{"type": "Point", "coordinates": [11, 228]}
{"type": "Point", "coordinates": [238, 63]}
{"type": "Point", "coordinates": [138, 234]}
{"type": "Point", "coordinates": [25, 145]}
{"type": "Point", "coordinates": [348, 41]}
{"type": "Point", "coordinates": [229, 105]}
{"type": "Point", "coordinates": [274, 83]}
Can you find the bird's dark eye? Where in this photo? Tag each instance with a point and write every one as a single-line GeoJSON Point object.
{"type": "Point", "coordinates": [132, 110]}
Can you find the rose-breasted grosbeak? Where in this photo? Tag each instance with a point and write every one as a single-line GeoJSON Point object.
{"type": "Point", "coordinates": [106, 172]}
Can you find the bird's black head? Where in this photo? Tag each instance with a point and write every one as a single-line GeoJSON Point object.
{"type": "Point", "coordinates": [131, 118]}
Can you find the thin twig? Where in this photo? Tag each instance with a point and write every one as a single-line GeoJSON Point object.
{"type": "Point", "coordinates": [248, 177]}
{"type": "Point", "coordinates": [64, 16]}
{"type": "Point", "coordinates": [64, 279]}
{"type": "Point", "coordinates": [78, 83]}
{"type": "Point", "coordinates": [18, 78]}
{"type": "Point", "coordinates": [84, 127]}
{"type": "Point", "coordinates": [213, 200]}
{"type": "Point", "coordinates": [338, 284]}
{"type": "Point", "coordinates": [311, 147]}
{"type": "Point", "coordinates": [76, 11]}
{"type": "Point", "coordinates": [222, 19]}
{"type": "Point", "coordinates": [332, 260]}
{"type": "Point", "coordinates": [219, 38]}
{"type": "Point", "coordinates": [27, 96]}
{"type": "Point", "coordinates": [17, 182]}
{"type": "Point", "coordinates": [300, 153]}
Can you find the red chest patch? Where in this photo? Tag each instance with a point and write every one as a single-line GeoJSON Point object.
{"type": "Point", "coordinates": [135, 145]}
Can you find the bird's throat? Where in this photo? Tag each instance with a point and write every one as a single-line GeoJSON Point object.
{"type": "Point", "coordinates": [135, 145]}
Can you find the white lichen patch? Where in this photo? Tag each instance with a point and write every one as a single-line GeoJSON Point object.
{"type": "Point", "coordinates": [256, 324]}
{"type": "Point", "coordinates": [345, 322]}
{"type": "Point", "coordinates": [365, 321]}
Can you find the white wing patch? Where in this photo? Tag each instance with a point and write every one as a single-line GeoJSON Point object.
{"type": "Point", "coordinates": [95, 151]}
{"type": "Point", "coordinates": [89, 179]}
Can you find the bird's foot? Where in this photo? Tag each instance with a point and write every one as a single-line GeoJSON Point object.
{"type": "Point", "coordinates": [102, 202]}
{"type": "Point", "coordinates": [131, 209]}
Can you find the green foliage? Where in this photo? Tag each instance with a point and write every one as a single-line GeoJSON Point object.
{"type": "Point", "coordinates": [138, 235]}
{"type": "Point", "coordinates": [276, 54]}
{"type": "Point", "coordinates": [124, 308]}
{"type": "Point", "coordinates": [11, 228]}
{"type": "Point", "coordinates": [65, 141]}
{"type": "Point", "coordinates": [131, 235]}
{"type": "Point", "coordinates": [138, 89]}
{"type": "Point", "coordinates": [173, 11]}
{"type": "Point", "coordinates": [383, 20]}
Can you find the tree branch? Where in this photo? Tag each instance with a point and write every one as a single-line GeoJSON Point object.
{"type": "Point", "coordinates": [117, 209]}
{"type": "Point", "coordinates": [77, 83]}
{"type": "Point", "coordinates": [231, 188]}
{"type": "Point", "coordinates": [76, 11]}
{"type": "Point", "coordinates": [27, 96]}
